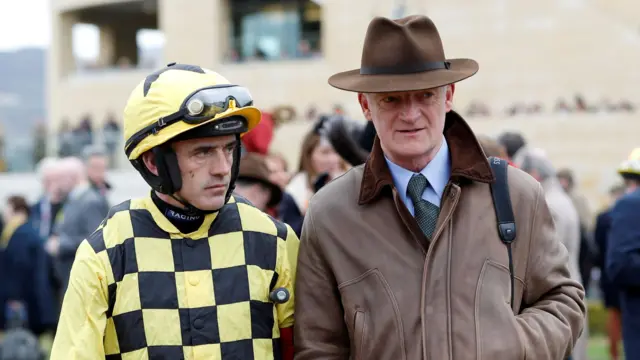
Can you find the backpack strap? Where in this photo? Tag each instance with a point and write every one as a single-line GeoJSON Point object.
{"type": "Point", "coordinates": [504, 212]}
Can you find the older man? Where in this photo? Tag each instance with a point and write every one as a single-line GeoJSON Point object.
{"type": "Point", "coordinates": [566, 218]}
{"type": "Point", "coordinates": [401, 258]}
{"type": "Point", "coordinates": [45, 211]}
{"type": "Point", "coordinates": [623, 253]}
{"type": "Point", "coordinates": [82, 213]}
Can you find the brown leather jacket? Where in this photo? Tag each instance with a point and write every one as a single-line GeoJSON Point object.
{"type": "Point", "coordinates": [369, 286]}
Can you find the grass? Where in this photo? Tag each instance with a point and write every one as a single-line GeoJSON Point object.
{"type": "Point", "coordinates": [598, 349]}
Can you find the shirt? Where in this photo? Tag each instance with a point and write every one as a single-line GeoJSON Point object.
{"type": "Point", "coordinates": [140, 289]}
{"type": "Point", "coordinates": [437, 172]}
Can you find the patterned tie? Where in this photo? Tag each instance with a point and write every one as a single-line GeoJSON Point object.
{"type": "Point", "coordinates": [426, 213]}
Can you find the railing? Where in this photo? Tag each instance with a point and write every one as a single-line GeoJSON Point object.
{"type": "Point", "coordinates": [21, 153]}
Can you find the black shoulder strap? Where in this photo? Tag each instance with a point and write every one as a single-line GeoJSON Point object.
{"type": "Point", "coordinates": [502, 200]}
{"type": "Point", "coordinates": [504, 211]}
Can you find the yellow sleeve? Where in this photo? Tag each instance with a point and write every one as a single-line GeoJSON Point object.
{"type": "Point", "coordinates": [83, 317]}
{"type": "Point", "coordinates": [287, 265]}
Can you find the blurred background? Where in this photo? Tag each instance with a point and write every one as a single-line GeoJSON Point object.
{"type": "Point", "coordinates": [562, 73]}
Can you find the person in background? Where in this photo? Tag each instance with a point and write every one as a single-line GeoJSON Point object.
{"type": "Point", "coordinates": [96, 163]}
{"type": "Point", "coordinates": [44, 212]}
{"type": "Point", "coordinates": [567, 222]}
{"type": "Point", "coordinates": [319, 163]}
{"type": "Point", "coordinates": [83, 212]}
{"type": "Point", "coordinates": [279, 169]}
{"type": "Point", "coordinates": [317, 158]}
{"type": "Point", "coordinates": [512, 143]}
{"type": "Point", "coordinates": [24, 271]}
{"type": "Point", "coordinates": [254, 183]}
{"type": "Point", "coordinates": [623, 253]}
{"type": "Point", "coordinates": [588, 251]}
{"type": "Point", "coordinates": [351, 140]}
{"type": "Point", "coordinates": [492, 147]}
{"type": "Point", "coordinates": [610, 296]}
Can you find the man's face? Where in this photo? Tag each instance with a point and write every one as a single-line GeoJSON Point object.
{"type": "Point", "coordinates": [409, 124]}
{"type": "Point", "coordinates": [68, 178]}
{"type": "Point", "coordinates": [205, 166]}
{"type": "Point", "coordinates": [97, 168]}
{"type": "Point", "coordinates": [56, 184]}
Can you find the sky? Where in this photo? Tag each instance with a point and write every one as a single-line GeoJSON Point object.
{"type": "Point", "coordinates": [27, 23]}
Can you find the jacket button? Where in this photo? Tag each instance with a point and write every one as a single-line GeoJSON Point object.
{"type": "Point", "coordinates": [190, 243]}
{"type": "Point", "coordinates": [194, 281]}
{"type": "Point", "coordinates": [198, 324]}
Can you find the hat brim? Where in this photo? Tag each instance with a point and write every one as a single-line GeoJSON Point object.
{"type": "Point", "coordinates": [352, 80]}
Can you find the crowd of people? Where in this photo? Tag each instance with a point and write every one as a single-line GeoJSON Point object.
{"type": "Point", "coordinates": [381, 240]}
{"type": "Point", "coordinates": [577, 105]}
{"type": "Point", "coordinates": [39, 240]}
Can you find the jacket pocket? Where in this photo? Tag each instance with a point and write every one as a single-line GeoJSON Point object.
{"type": "Point", "coordinates": [497, 333]}
{"type": "Point", "coordinates": [372, 316]}
{"type": "Point", "coordinates": [359, 334]}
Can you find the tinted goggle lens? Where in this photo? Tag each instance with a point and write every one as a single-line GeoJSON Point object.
{"type": "Point", "coordinates": [207, 103]}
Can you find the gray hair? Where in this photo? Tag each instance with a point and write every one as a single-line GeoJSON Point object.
{"type": "Point", "coordinates": [535, 159]}
{"type": "Point", "coordinates": [73, 166]}
{"type": "Point", "coordinates": [45, 166]}
{"type": "Point", "coordinates": [93, 150]}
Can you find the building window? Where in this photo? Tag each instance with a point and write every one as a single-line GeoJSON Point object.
{"type": "Point", "coordinates": [274, 30]}
{"type": "Point", "coordinates": [120, 35]}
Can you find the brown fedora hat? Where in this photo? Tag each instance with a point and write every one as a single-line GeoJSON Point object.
{"type": "Point", "coordinates": [403, 55]}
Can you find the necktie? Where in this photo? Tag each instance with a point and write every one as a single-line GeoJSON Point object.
{"type": "Point", "coordinates": [426, 213]}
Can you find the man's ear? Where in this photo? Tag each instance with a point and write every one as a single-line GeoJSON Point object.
{"type": "Point", "coordinates": [364, 104]}
{"type": "Point", "coordinates": [150, 162]}
{"type": "Point", "coordinates": [448, 102]}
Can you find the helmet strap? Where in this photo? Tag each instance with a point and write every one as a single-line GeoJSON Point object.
{"type": "Point", "coordinates": [235, 168]}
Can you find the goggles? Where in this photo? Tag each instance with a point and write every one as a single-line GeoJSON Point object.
{"type": "Point", "coordinates": [202, 105]}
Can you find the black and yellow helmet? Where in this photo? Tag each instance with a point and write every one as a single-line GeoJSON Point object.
{"type": "Point", "coordinates": [180, 102]}
{"type": "Point", "coordinates": [631, 166]}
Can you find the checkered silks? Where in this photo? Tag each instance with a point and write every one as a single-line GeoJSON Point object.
{"type": "Point", "coordinates": [172, 297]}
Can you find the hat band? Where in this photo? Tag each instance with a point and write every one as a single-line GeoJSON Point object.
{"type": "Point", "coordinates": [404, 69]}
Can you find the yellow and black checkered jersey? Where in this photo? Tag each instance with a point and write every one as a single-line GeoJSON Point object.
{"type": "Point", "coordinates": [139, 289]}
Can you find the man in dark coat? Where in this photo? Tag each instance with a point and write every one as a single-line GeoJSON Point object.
{"type": "Point", "coordinates": [25, 292]}
{"type": "Point", "coordinates": [623, 253]}
{"type": "Point", "coordinates": [609, 292]}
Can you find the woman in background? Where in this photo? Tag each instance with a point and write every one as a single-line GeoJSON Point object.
{"type": "Point", "coordinates": [319, 164]}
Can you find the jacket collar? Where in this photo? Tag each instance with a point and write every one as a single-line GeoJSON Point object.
{"type": "Point", "coordinates": [467, 160]}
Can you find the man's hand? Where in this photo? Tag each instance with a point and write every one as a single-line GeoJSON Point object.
{"type": "Point", "coordinates": [52, 245]}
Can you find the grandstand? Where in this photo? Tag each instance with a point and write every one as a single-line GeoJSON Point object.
{"type": "Point", "coordinates": [535, 53]}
